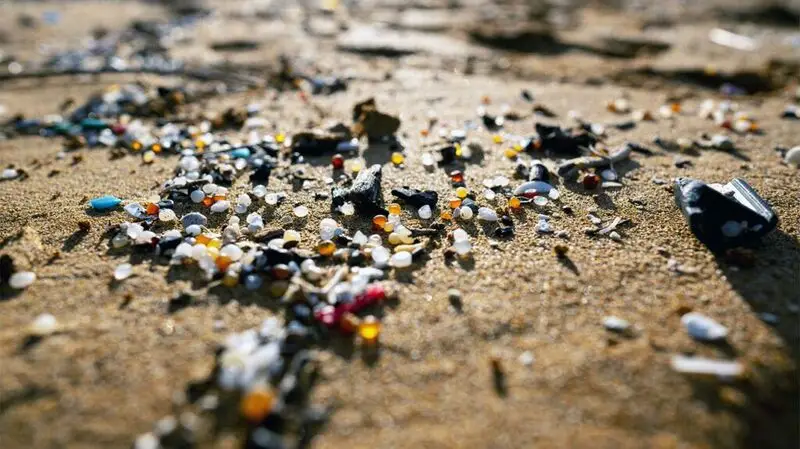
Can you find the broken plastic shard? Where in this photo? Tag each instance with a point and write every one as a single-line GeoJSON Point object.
{"type": "Point", "coordinates": [105, 202]}
{"type": "Point", "coordinates": [733, 215]}
{"type": "Point", "coordinates": [123, 271]}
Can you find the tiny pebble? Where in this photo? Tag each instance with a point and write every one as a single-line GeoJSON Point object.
{"type": "Point", "coordinates": [43, 325]}
{"type": "Point", "coordinates": [300, 211]}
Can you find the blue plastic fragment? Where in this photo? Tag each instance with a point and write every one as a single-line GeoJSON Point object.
{"type": "Point", "coordinates": [241, 153]}
{"type": "Point", "coordinates": [104, 202]}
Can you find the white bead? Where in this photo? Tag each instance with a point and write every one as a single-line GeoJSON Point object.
{"type": "Point", "coordinates": [460, 234]}
{"type": "Point", "coordinates": [703, 328]}
{"type": "Point", "coordinates": [465, 213]}
{"type": "Point", "coordinates": [123, 271]}
{"type": "Point", "coordinates": [380, 255]}
{"type": "Point", "coordinates": [271, 199]}
{"type": "Point", "coordinates": [401, 259]}
{"type": "Point", "coordinates": [232, 252]}
{"type": "Point", "coordinates": [487, 214]}
{"type": "Point", "coordinates": [462, 247]}
{"type": "Point", "coordinates": [220, 206]}
{"type": "Point", "coordinates": [167, 215]}
{"type": "Point", "coordinates": [44, 324]}
{"type": "Point", "coordinates": [300, 211]}
{"type": "Point", "coordinates": [290, 235]}
{"type": "Point", "coordinates": [21, 279]}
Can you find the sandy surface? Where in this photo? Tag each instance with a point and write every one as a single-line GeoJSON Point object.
{"type": "Point", "coordinates": [115, 369]}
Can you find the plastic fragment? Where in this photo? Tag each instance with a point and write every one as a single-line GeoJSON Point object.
{"type": "Point", "coordinates": [105, 202]}
{"type": "Point", "coordinates": [123, 271]}
{"type": "Point", "coordinates": [21, 279]}
{"type": "Point", "coordinates": [705, 366]}
{"type": "Point", "coordinates": [702, 328]}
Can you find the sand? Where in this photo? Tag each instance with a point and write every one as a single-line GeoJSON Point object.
{"type": "Point", "coordinates": [117, 365]}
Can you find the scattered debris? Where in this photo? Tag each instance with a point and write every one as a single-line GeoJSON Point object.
{"type": "Point", "coordinates": [702, 328]}
{"type": "Point", "coordinates": [704, 366]}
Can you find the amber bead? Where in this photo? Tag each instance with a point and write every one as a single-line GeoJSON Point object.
{"type": "Point", "coordinates": [257, 404]}
{"type": "Point", "coordinates": [454, 203]}
{"type": "Point", "coordinates": [446, 215]}
{"type": "Point", "coordinates": [230, 280]}
{"type": "Point", "coordinates": [457, 176]}
{"type": "Point", "coordinates": [514, 202]}
{"type": "Point", "coordinates": [394, 209]}
{"type": "Point", "coordinates": [136, 145]}
{"type": "Point", "coordinates": [151, 209]}
{"type": "Point", "coordinates": [202, 239]}
{"type": "Point", "coordinates": [156, 148]}
{"type": "Point", "coordinates": [208, 201]}
{"type": "Point", "coordinates": [326, 248]}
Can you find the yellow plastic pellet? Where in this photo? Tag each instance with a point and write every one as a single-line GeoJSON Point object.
{"type": "Point", "coordinates": [212, 252]}
{"type": "Point", "coordinates": [136, 145]}
{"type": "Point", "coordinates": [395, 239]}
{"type": "Point", "coordinates": [203, 239]}
{"type": "Point", "coordinates": [280, 138]}
{"type": "Point", "coordinates": [446, 215]}
{"type": "Point", "coordinates": [148, 157]}
{"type": "Point", "coordinates": [394, 209]}
{"type": "Point", "coordinates": [459, 151]}
{"type": "Point", "coordinates": [388, 227]}
{"type": "Point", "coordinates": [510, 153]}
{"type": "Point", "coordinates": [398, 158]}
{"type": "Point", "coordinates": [215, 243]}
{"type": "Point", "coordinates": [355, 166]}
{"type": "Point", "coordinates": [462, 192]}
{"type": "Point", "coordinates": [497, 138]}
{"type": "Point", "coordinates": [369, 329]}
{"type": "Point", "coordinates": [200, 143]}
{"type": "Point", "coordinates": [156, 147]}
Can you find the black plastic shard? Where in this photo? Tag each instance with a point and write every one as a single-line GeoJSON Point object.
{"type": "Point", "coordinates": [416, 198]}
{"type": "Point", "coordinates": [724, 217]}
{"type": "Point", "coordinates": [563, 140]}
{"type": "Point", "coordinates": [365, 193]}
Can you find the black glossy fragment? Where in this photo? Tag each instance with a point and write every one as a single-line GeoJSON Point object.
{"type": "Point", "coordinates": [415, 197]}
{"type": "Point", "coordinates": [539, 173]}
{"type": "Point", "coordinates": [734, 216]}
{"type": "Point", "coordinates": [261, 174]}
{"type": "Point", "coordinates": [561, 140]}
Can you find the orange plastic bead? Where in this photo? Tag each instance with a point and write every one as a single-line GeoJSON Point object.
{"type": "Point", "coordinates": [395, 209]}
{"type": "Point", "coordinates": [257, 404]}
{"type": "Point", "coordinates": [514, 202]}
{"type": "Point", "coordinates": [454, 203]}
{"type": "Point", "coordinates": [424, 133]}
{"type": "Point", "coordinates": [676, 107]}
{"type": "Point", "coordinates": [379, 220]}
{"type": "Point", "coordinates": [446, 215]}
{"type": "Point", "coordinates": [136, 145]}
{"type": "Point", "coordinates": [208, 201]}
{"type": "Point", "coordinates": [156, 148]}
{"type": "Point", "coordinates": [223, 262]}
{"type": "Point", "coordinates": [218, 198]}
{"type": "Point", "coordinates": [202, 239]}
{"type": "Point", "coordinates": [456, 176]}
{"type": "Point", "coordinates": [151, 209]}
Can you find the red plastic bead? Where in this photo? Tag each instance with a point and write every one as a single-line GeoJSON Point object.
{"type": "Point", "coordinates": [337, 161]}
{"type": "Point", "coordinates": [591, 181]}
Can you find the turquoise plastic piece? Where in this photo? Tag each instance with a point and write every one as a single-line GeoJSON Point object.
{"type": "Point", "coordinates": [105, 202]}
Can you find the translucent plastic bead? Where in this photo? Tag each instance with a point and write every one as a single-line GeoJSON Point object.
{"type": "Point", "coordinates": [148, 157]}
{"type": "Point", "coordinates": [369, 330]}
{"type": "Point", "coordinates": [554, 194]}
{"type": "Point", "coordinates": [425, 212]}
{"type": "Point", "coordinates": [394, 209]}
{"type": "Point", "coordinates": [466, 213]}
{"type": "Point", "coordinates": [300, 211]}
{"type": "Point", "coordinates": [460, 234]}
{"type": "Point", "coordinates": [259, 191]}
{"type": "Point", "coordinates": [454, 203]}
{"type": "Point", "coordinates": [359, 238]}
{"type": "Point", "coordinates": [540, 200]}
{"type": "Point", "coordinates": [356, 166]}
{"type": "Point", "coordinates": [462, 192]}
{"type": "Point", "coordinates": [271, 199]}
{"type": "Point", "coordinates": [398, 158]}
{"type": "Point", "coordinates": [395, 239]}
{"type": "Point", "coordinates": [427, 160]}
{"type": "Point", "coordinates": [381, 255]}
{"type": "Point", "coordinates": [244, 199]}
{"type": "Point", "coordinates": [457, 176]}
{"type": "Point", "coordinates": [489, 194]}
